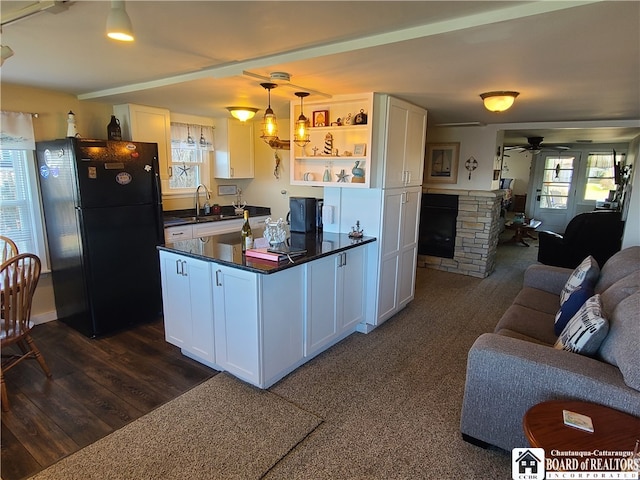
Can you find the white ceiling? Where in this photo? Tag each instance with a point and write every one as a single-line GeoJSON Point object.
{"type": "Point", "coordinates": [570, 61]}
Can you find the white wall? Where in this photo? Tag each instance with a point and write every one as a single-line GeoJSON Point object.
{"type": "Point", "coordinates": [477, 142]}
{"type": "Point", "coordinates": [517, 166]}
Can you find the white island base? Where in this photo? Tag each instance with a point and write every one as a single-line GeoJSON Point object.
{"type": "Point", "coordinates": [257, 326]}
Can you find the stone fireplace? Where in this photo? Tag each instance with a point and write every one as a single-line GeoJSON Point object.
{"type": "Point", "coordinates": [476, 233]}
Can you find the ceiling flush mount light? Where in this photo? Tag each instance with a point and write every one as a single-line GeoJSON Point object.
{"type": "Point", "coordinates": [301, 136]}
{"type": "Point", "coordinates": [118, 23]}
{"type": "Point", "coordinates": [269, 124]}
{"type": "Point", "coordinates": [498, 101]}
{"type": "Point", "coordinates": [242, 113]}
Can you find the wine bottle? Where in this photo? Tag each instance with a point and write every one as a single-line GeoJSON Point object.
{"type": "Point", "coordinates": [247, 236]}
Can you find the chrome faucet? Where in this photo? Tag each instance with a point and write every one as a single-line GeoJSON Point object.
{"type": "Point", "coordinates": [198, 197]}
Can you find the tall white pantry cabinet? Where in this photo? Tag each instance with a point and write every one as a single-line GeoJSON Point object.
{"type": "Point", "coordinates": [390, 209]}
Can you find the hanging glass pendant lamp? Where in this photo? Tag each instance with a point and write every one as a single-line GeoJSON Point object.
{"type": "Point", "coordinates": [301, 135]}
{"type": "Point", "coordinates": [269, 124]}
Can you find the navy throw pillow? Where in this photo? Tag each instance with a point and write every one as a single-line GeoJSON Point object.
{"type": "Point", "coordinates": [571, 306]}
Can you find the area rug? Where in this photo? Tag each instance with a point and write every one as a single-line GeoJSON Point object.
{"type": "Point", "coordinates": [221, 429]}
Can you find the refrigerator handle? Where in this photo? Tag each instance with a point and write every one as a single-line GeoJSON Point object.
{"type": "Point", "coordinates": [158, 193]}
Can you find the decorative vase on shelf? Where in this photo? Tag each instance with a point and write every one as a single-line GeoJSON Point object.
{"type": "Point", "coordinates": [327, 175]}
{"type": "Point", "coordinates": [358, 173]}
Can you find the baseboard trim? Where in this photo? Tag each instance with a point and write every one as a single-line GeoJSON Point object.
{"type": "Point", "coordinates": [44, 317]}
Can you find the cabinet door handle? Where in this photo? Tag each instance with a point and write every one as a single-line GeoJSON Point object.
{"type": "Point", "coordinates": [185, 274]}
{"type": "Point", "coordinates": [344, 259]}
{"type": "Point", "coordinates": [231, 169]}
{"type": "Point", "coordinates": [175, 234]}
{"type": "Point", "coordinates": [170, 169]}
{"type": "Point", "coordinates": [218, 283]}
{"type": "Point", "coordinates": [408, 177]}
{"type": "Point", "coordinates": [178, 263]}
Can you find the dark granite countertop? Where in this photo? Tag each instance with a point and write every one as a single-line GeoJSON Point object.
{"type": "Point", "coordinates": [225, 249]}
{"type": "Point", "coordinates": [173, 218]}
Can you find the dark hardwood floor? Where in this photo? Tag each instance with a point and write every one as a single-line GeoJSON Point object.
{"type": "Point", "coordinates": [98, 386]}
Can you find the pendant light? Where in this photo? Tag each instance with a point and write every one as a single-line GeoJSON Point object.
{"type": "Point", "coordinates": [118, 23]}
{"type": "Point", "coordinates": [301, 135]}
{"type": "Point", "coordinates": [269, 124]}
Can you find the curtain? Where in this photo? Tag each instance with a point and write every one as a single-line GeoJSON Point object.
{"type": "Point", "coordinates": [16, 131]}
{"type": "Point", "coordinates": [190, 135]}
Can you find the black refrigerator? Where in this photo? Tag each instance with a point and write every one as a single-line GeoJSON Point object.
{"type": "Point", "coordinates": [103, 214]}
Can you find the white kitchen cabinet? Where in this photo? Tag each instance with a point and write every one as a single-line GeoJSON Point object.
{"type": "Point", "coordinates": [141, 123]}
{"type": "Point", "coordinates": [187, 299]}
{"type": "Point", "coordinates": [398, 250]}
{"type": "Point", "coordinates": [258, 322]}
{"type": "Point", "coordinates": [236, 321]}
{"type": "Point", "coordinates": [235, 150]}
{"type": "Point", "coordinates": [335, 298]}
{"type": "Point", "coordinates": [403, 144]}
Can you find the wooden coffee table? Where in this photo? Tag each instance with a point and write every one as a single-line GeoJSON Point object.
{"type": "Point", "coordinates": [612, 430]}
{"type": "Point", "coordinates": [522, 230]}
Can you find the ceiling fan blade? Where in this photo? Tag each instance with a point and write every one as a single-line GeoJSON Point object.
{"type": "Point", "coordinates": [286, 84]}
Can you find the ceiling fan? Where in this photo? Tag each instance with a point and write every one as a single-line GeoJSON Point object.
{"type": "Point", "coordinates": [535, 145]}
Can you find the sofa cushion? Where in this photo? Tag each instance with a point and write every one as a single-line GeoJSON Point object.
{"type": "Point", "coordinates": [586, 330]}
{"type": "Point", "coordinates": [584, 274]}
{"type": "Point", "coordinates": [571, 306]}
{"type": "Point", "coordinates": [538, 300]}
{"type": "Point", "coordinates": [529, 322]}
{"type": "Point", "coordinates": [617, 292]}
{"type": "Point", "coordinates": [621, 347]}
{"type": "Point", "coordinates": [618, 266]}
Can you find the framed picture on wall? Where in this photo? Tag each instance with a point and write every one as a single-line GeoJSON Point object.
{"type": "Point", "coordinates": [442, 162]}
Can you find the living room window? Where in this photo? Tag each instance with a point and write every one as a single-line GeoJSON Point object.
{"type": "Point", "coordinates": [600, 175]}
{"type": "Point", "coordinates": [191, 151]}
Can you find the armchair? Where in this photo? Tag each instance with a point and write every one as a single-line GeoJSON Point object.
{"type": "Point", "coordinates": [597, 233]}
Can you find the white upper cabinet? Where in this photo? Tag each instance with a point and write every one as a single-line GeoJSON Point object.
{"type": "Point", "coordinates": [141, 123]}
{"type": "Point", "coordinates": [235, 150]}
{"type": "Point", "coordinates": [402, 144]}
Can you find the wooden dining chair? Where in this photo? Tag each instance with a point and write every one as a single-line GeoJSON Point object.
{"type": "Point", "coordinates": [18, 279]}
{"type": "Point", "coordinates": [8, 249]}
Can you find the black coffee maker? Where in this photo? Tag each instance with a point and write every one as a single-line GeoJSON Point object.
{"type": "Point", "coordinates": [304, 215]}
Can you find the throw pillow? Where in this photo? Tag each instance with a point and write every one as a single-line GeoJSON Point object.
{"type": "Point", "coordinates": [586, 273]}
{"type": "Point", "coordinates": [571, 306]}
{"type": "Point", "coordinates": [586, 330]}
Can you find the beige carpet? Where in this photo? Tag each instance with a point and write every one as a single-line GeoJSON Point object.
{"type": "Point", "coordinates": [222, 429]}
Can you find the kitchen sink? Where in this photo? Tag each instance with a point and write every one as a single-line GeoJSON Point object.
{"type": "Point", "coordinates": [172, 221]}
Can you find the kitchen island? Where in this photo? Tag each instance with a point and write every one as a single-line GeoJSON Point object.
{"type": "Point", "coordinates": [257, 319]}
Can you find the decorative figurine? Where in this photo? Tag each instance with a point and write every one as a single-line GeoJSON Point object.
{"type": "Point", "coordinates": [72, 131]}
{"type": "Point", "coordinates": [328, 144]}
{"type": "Point", "coordinates": [348, 119]}
{"type": "Point", "coordinates": [356, 232]}
{"type": "Point", "coordinates": [342, 176]}
{"type": "Point", "coordinates": [358, 173]}
{"type": "Point", "coordinates": [360, 118]}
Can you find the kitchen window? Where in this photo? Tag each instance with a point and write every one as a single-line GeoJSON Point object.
{"type": "Point", "coordinates": [20, 211]}
{"type": "Point", "coordinates": [191, 155]}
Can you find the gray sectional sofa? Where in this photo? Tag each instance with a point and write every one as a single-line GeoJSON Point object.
{"type": "Point", "coordinates": [516, 366]}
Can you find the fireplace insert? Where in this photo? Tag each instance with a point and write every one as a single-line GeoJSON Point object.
{"type": "Point", "coordinates": [438, 216]}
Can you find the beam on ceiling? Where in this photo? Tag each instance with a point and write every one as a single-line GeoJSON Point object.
{"type": "Point", "coordinates": [236, 68]}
